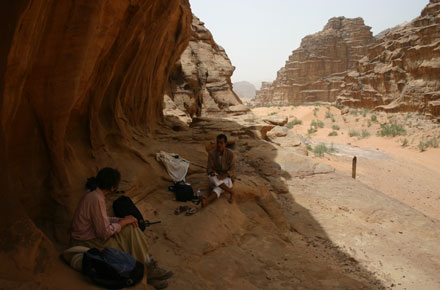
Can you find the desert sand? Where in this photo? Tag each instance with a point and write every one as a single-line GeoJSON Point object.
{"type": "Point", "coordinates": [403, 173]}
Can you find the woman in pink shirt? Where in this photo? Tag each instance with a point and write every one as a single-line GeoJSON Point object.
{"type": "Point", "coordinates": [93, 228]}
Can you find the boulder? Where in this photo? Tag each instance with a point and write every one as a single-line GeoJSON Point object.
{"type": "Point", "coordinates": [276, 120]}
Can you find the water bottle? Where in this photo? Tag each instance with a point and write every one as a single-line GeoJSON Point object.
{"type": "Point", "coordinates": [198, 192]}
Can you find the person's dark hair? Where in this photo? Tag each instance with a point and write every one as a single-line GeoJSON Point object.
{"type": "Point", "coordinates": [222, 136]}
{"type": "Point", "coordinates": [106, 179]}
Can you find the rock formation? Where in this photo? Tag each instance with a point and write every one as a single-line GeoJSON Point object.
{"type": "Point", "coordinates": [316, 70]}
{"type": "Point", "coordinates": [245, 90]}
{"type": "Point", "coordinates": [402, 71]}
{"type": "Point", "coordinates": [78, 81]}
{"type": "Point", "coordinates": [201, 79]}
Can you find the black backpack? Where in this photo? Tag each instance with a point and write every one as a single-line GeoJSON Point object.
{"type": "Point", "coordinates": [112, 268]}
{"type": "Point", "coordinates": [183, 192]}
{"type": "Point", "coordinates": [124, 206]}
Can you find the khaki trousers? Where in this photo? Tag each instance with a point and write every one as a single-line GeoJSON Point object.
{"type": "Point", "coordinates": [130, 240]}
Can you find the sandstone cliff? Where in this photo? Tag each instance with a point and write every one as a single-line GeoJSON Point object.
{"type": "Point", "coordinates": [316, 70]}
{"type": "Point", "coordinates": [200, 82]}
{"type": "Point", "coordinates": [79, 80]}
{"type": "Point", "coordinates": [402, 71]}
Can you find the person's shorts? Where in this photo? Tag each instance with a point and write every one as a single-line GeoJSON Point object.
{"type": "Point", "coordinates": [217, 182]}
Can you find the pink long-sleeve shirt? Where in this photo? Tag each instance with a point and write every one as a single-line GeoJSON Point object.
{"type": "Point", "coordinates": [91, 221]}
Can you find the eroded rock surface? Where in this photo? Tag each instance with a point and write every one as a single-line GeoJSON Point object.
{"type": "Point", "coordinates": [316, 70]}
{"type": "Point", "coordinates": [79, 80]}
{"type": "Point", "coordinates": [402, 71]}
{"type": "Point", "coordinates": [200, 82]}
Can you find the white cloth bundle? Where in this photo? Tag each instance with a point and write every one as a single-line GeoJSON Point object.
{"type": "Point", "coordinates": [177, 167]}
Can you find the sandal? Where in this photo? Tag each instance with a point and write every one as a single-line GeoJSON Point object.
{"type": "Point", "coordinates": [191, 211]}
{"type": "Point", "coordinates": [180, 209]}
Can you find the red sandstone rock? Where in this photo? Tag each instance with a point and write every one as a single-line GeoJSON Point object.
{"type": "Point", "coordinates": [76, 79]}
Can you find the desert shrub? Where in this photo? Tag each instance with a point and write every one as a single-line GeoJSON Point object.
{"type": "Point", "coordinates": [353, 133]}
{"type": "Point", "coordinates": [373, 118]}
{"type": "Point", "coordinates": [392, 129]}
{"type": "Point", "coordinates": [365, 112]}
{"type": "Point", "coordinates": [354, 112]}
{"type": "Point", "coordinates": [405, 142]}
{"type": "Point", "coordinates": [433, 142]}
{"type": "Point", "coordinates": [329, 115]}
{"type": "Point", "coordinates": [315, 110]}
{"type": "Point", "coordinates": [333, 133]}
{"type": "Point", "coordinates": [345, 119]}
{"type": "Point", "coordinates": [321, 148]}
{"type": "Point", "coordinates": [357, 120]}
{"type": "Point", "coordinates": [292, 123]}
{"type": "Point", "coordinates": [422, 146]}
{"type": "Point", "coordinates": [365, 133]}
{"type": "Point", "coordinates": [335, 127]}
{"type": "Point", "coordinates": [369, 123]}
{"type": "Point", "coordinates": [312, 130]}
{"type": "Point", "coordinates": [309, 147]}
{"type": "Point", "coordinates": [409, 115]}
{"type": "Point", "coordinates": [333, 120]}
{"type": "Point", "coordinates": [273, 113]}
{"type": "Point", "coordinates": [317, 124]}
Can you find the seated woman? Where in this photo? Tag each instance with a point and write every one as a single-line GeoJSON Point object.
{"type": "Point", "coordinates": [92, 228]}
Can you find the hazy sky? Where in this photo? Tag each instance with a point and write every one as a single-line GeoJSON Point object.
{"type": "Point", "coordinates": [259, 35]}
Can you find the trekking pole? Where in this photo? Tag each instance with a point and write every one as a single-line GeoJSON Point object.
{"type": "Point", "coordinates": [189, 162]}
{"type": "Point", "coordinates": [147, 223]}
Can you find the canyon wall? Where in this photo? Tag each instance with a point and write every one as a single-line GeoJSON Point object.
{"type": "Point", "coordinates": [200, 82]}
{"type": "Point", "coordinates": [79, 80]}
{"type": "Point", "coordinates": [402, 71]}
{"type": "Point", "coordinates": [316, 70]}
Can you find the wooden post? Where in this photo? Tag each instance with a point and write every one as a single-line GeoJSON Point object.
{"type": "Point", "coordinates": [353, 168]}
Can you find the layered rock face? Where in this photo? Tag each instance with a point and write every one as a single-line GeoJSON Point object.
{"type": "Point", "coordinates": [402, 71]}
{"type": "Point", "coordinates": [201, 78]}
{"type": "Point", "coordinates": [316, 70]}
{"type": "Point", "coordinates": [78, 80]}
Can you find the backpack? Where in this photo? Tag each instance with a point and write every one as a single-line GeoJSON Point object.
{"type": "Point", "coordinates": [112, 268]}
{"type": "Point", "coordinates": [124, 206]}
{"type": "Point", "coordinates": [182, 191]}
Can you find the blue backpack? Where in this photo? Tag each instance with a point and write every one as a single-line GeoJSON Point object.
{"type": "Point", "coordinates": [112, 268]}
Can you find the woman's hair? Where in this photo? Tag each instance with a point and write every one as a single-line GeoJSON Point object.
{"type": "Point", "coordinates": [106, 179]}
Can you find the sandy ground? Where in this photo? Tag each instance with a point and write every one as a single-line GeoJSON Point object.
{"type": "Point", "coordinates": [404, 173]}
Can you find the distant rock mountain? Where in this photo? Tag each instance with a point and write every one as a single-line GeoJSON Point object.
{"type": "Point", "coordinates": [402, 71]}
{"type": "Point", "coordinates": [245, 90]}
{"type": "Point", "coordinates": [316, 70]}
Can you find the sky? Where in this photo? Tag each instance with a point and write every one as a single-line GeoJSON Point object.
{"type": "Point", "coordinates": [259, 35]}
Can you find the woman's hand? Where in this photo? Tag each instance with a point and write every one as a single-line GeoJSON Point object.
{"type": "Point", "coordinates": [128, 220]}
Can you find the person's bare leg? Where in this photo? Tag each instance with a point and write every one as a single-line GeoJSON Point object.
{"type": "Point", "coordinates": [229, 190]}
{"type": "Point", "coordinates": [209, 199]}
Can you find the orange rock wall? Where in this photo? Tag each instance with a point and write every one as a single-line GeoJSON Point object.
{"type": "Point", "coordinates": [75, 78]}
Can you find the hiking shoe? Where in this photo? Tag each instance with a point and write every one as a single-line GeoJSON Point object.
{"type": "Point", "coordinates": [156, 273]}
{"type": "Point", "coordinates": [158, 284]}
